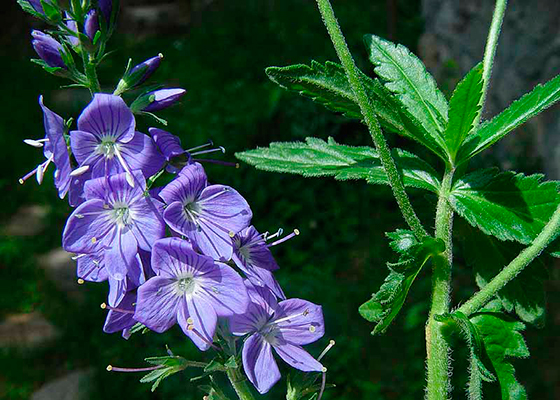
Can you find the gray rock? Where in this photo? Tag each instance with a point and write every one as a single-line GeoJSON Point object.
{"type": "Point", "coordinates": [27, 221]}
{"type": "Point", "coordinates": [61, 270]}
{"type": "Point", "coordinates": [74, 386]}
{"type": "Point", "coordinates": [26, 331]}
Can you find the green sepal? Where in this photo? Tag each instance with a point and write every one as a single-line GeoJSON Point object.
{"type": "Point", "coordinates": [28, 8]}
{"type": "Point", "coordinates": [231, 363]}
{"type": "Point", "coordinates": [523, 109]}
{"type": "Point", "coordinates": [503, 340]}
{"type": "Point", "coordinates": [169, 365]}
{"type": "Point", "coordinates": [464, 107]}
{"type": "Point", "coordinates": [51, 70]}
{"type": "Point", "coordinates": [328, 85]}
{"type": "Point", "coordinates": [153, 116]}
{"type": "Point", "coordinates": [384, 305]}
{"type": "Point", "coordinates": [52, 11]}
{"type": "Point", "coordinates": [303, 385]}
{"type": "Point", "coordinates": [525, 295]}
{"type": "Point", "coordinates": [506, 205]}
{"type": "Point", "coordinates": [404, 75]}
{"type": "Point", "coordinates": [214, 366]}
{"type": "Point", "coordinates": [317, 158]}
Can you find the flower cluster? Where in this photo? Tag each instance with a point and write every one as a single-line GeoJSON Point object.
{"type": "Point", "coordinates": [183, 253]}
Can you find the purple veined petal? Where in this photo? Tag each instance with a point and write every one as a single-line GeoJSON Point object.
{"type": "Point", "coordinates": [300, 321]}
{"type": "Point", "coordinates": [175, 216]}
{"type": "Point", "coordinates": [116, 188]}
{"type": "Point", "coordinates": [146, 263]}
{"type": "Point", "coordinates": [117, 291]}
{"type": "Point", "coordinates": [188, 185]}
{"type": "Point", "coordinates": [84, 147]}
{"type": "Point", "coordinates": [48, 49]}
{"type": "Point", "coordinates": [169, 144]}
{"type": "Point", "coordinates": [73, 26]}
{"type": "Point", "coordinates": [163, 98]}
{"type": "Point", "coordinates": [117, 321]}
{"type": "Point", "coordinates": [91, 24]}
{"type": "Point", "coordinates": [148, 225]}
{"type": "Point", "coordinates": [89, 224]}
{"type": "Point", "coordinates": [91, 268]}
{"type": "Point", "coordinates": [223, 288]}
{"type": "Point", "coordinates": [259, 364]}
{"type": "Point", "coordinates": [170, 255]}
{"type": "Point", "coordinates": [297, 357]}
{"type": "Point", "coordinates": [202, 317]}
{"type": "Point", "coordinates": [252, 251]}
{"type": "Point", "coordinates": [261, 296]}
{"type": "Point", "coordinates": [120, 255]}
{"type": "Point", "coordinates": [54, 129]}
{"type": "Point", "coordinates": [108, 115]}
{"type": "Point", "coordinates": [142, 153]}
{"type": "Point", "coordinates": [157, 304]}
{"type": "Point", "coordinates": [262, 305]}
{"type": "Point", "coordinates": [258, 276]}
{"type": "Point", "coordinates": [76, 194]}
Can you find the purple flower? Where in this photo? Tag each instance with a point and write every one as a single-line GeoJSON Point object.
{"type": "Point", "coordinates": [169, 144]}
{"type": "Point", "coordinates": [163, 98]}
{"type": "Point", "coordinates": [106, 140]}
{"type": "Point", "coordinates": [37, 6]}
{"type": "Point", "coordinates": [91, 24]}
{"type": "Point", "coordinates": [121, 316]}
{"type": "Point", "coordinates": [118, 218]}
{"type": "Point", "coordinates": [252, 255]}
{"type": "Point", "coordinates": [208, 215]}
{"type": "Point", "coordinates": [73, 26]}
{"type": "Point", "coordinates": [106, 7]}
{"type": "Point", "coordinates": [54, 150]}
{"type": "Point", "coordinates": [284, 327]}
{"type": "Point", "coordinates": [190, 289]}
{"type": "Point", "coordinates": [48, 49]}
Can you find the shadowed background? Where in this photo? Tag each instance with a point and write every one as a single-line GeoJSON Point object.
{"type": "Point", "coordinates": [51, 342]}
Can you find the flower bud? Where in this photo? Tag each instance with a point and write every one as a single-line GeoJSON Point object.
{"type": "Point", "coordinates": [106, 8]}
{"type": "Point", "coordinates": [91, 24]}
{"type": "Point", "coordinates": [139, 74]}
{"type": "Point", "coordinates": [157, 99]}
{"type": "Point", "coordinates": [48, 49]}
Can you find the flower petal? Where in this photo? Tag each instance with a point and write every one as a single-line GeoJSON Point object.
{"type": "Point", "coordinates": [297, 357]}
{"type": "Point", "coordinates": [84, 147]}
{"type": "Point", "coordinates": [91, 268]}
{"type": "Point", "coordinates": [261, 307]}
{"type": "Point", "coordinates": [170, 257]}
{"type": "Point", "coordinates": [108, 115]}
{"type": "Point", "coordinates": [169, 144]}
{"type": "Point", "coordinates": [148, 225]}
{"type": "Point", "coordinates": [300, 321]}
{"type": "Point", "coordinates": [117, 321]}
{"type": "Point", "coordinates": [120, 256]}
{"type": "Point", "coordinates": [116, 188]}
{"type": "Point", "coordinates": [187, 186]}
{"type": "Point", "coordinates": [202, 316]}
{"type": "Point", "coordinates": [157, 304]}
{"type": "Point", "coordinates": [142, 153]}
{"type": "Point", "coordinates": [89, 224]}
{"type": "Point", "coordinates": [259, 364]}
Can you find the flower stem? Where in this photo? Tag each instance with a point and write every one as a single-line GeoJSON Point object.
{"type": "Point", "coordinates": [490, 50]}
{"type": "Point", "coordinates": [547, 235]}
{"type": "Point", "coordinates": [91, 73]}
{"type": "Point", "coordinates": [239, 383]}
{"type": "Point", "coordinates": [437, 348]}
{"type": "Point", "coordinates": [370, 118]}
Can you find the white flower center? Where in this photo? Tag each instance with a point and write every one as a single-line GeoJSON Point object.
{"type": "Point", "coordinates": [121, 214]}
{"type": "Point", "coordinates": [185, 285]}
{"type": "Point", "coordinates": [108, 147]}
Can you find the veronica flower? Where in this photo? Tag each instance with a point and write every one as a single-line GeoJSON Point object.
{"type": "Point", "coordinates": [37, 6]}
{"type": "Point", "coordinates": [284, 327]}
{"type": "Point", "coordinates": [163, 98]}
{"type": "Point", "coordinates": [190, 289]}
{"type": "Point", "coordinates": [107, 142]}
{"type": "Point", "coordinates": [119, 219]}
{"type": "Point", "coordinates": [106, 7]}
{"type": "Point", "coordinates": [209, 215]}
{"type": "Point", "coordinates": [73, 26]}
{"type": "Point", "coordinates": [48, 49]}
{"type": "Point", "coordinates": [121, 316]}
{"type": "Point", "coordinates": [54, 150]}
{"type": "Point", "coordinates": [252, 255]}
{"type": "Point", "coordinates": [91, 24]}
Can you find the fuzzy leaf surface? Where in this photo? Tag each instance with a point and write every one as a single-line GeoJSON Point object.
{"type": "Point", "coordinates": [503, 340]}
{"type": "Point", "coordinates": [316, 158]}
{"type": "Point", "coordinates": [523, 109]}
{"type": "Point", "coordinates": [384, 305]}
{"type": "Point", "coordinates": [507, 205]}
{"type": "Point", "coordinates": [464, 107]}
{"type": "Point", "coordinates": [328, 85]}
{"type": "Point", "coordinates": [525, 294]}
{"type": "Point", "coordinates": [407, 78]}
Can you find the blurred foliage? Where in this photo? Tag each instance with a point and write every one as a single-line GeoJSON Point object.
{"type": "Point", "coordinates": [337, 261]}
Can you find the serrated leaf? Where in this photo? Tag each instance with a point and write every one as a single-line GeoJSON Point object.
{"type": "Point", "coordinates": [464, 107]}
{"type": "Point", "coordinates": [525, 294]}
{"type": "Point", "coordinates": [523, 109]}
{"type": "Point", "coordinates": [328, 85]}
{"type": "Point", "coordinates": [384, 305]}
{"type": "Point", "coordinates": [214, 366]}
{"type": "Point", "coordinates": [506, 205]}
{"type": "Point", "coordinates": [317, 158]}
{"type": "Point", "coordinates": [406, 77]}
{"type": "Point", "coordinates": [503, 340]}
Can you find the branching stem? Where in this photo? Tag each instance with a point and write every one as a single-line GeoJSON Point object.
{"type": "Point", "coordinates": [239, 383]}
{"type": "Point", "coordinates": [370, 118]}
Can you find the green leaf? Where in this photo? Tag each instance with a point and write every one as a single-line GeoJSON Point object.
{"type": "Point", "coordinates": [531, 104]}
{"type": "Point", "coordinates": [384, 305]}
{"type": "Point", "coordinates": [328, 85]}
{"type": "Point", "coordinates": [457, 321]}
{"type": "Point", "coordinates": [502, 340]}
{"type": "Point", "coordinates": [168, 365]}
{"type": "Point", "coordinates": [406, 77]}
{"type": "Point", "coordinates": [317, 158]}
{"type": "Point", "coordinates": [525, 294]}
{"type": "Point", "coordinates": [464, 106]}
{"type": "Point", "coordinates": [506, 205]}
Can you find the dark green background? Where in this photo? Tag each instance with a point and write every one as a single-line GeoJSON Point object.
{"type": "Point", "coordinates": [337, 261]}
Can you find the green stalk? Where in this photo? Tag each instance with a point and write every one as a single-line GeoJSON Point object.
{"type": "Point", "coordinates": [91, 73]}
{"type": "Point", "coordinates": [370, 118]}
{"type": "Point", "coordinates": [239, 383]}
{"type": "Point", "coordinates": [437, 349]}
{"type": "Point", "coordinates": [490, 51]}
{"type": "Point", "coordinates": [547, 235]}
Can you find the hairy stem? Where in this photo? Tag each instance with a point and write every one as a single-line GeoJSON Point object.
{"type": "Point", "coordinates": [370, 118]}
{"type": "Point", "coordinates": [547, 235]}
{"type": "Point", "coordinates": [91, 73]}
{"type": "Point", "coordinates": [490, 51]}
{"type": "Point", "coordinates": [239, 383]}
{"type": "Point", "coordinates": [437, 349]}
